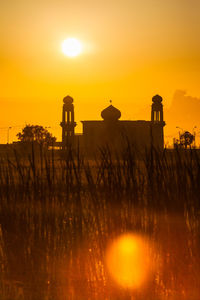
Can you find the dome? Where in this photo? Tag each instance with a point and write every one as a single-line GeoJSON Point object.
{"type": "Point", "coordinates": [157, 99]}
{"type": "Point", "coordinates": [68, 100]}
{"type": "Point", "coordinates": [111, 113]}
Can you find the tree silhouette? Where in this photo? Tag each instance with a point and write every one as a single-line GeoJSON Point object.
{"type": "Point", "coordinates": [186, 139]}
{"type": "Point", "coordinates": [36, 133]}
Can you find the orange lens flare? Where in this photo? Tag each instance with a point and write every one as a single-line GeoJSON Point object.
{"type": "Point", "coordinates": [128, 261]}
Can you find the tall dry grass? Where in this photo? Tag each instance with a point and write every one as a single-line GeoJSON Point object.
{"type": "Point", "coordinates": [58, 213]}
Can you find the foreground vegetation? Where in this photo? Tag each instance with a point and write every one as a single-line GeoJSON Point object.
{"type": "Point", "coordinates": [58, 214]}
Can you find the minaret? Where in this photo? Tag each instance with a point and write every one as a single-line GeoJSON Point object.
{"type": "Point", "coordinates": [157, 122]}
{"type": "Point", "coordinates": [157, 109]}
{"type": "Point", "coordinates": [68, 123]}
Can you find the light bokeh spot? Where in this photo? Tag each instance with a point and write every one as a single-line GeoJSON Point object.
{"type": "Point", "coordinates": [72, 47]}
{"type": "Point", "coordinates": [128, 261]}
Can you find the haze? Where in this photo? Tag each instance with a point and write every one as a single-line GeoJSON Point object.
{"type": "Point", "coordinates": [133, 50]}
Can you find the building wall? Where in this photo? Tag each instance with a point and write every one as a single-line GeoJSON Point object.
{"type": "Point", "coordinates": [140, 134]}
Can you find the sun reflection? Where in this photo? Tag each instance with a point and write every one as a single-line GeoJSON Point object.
{"type": "Point", "coordinates": [128, 261]}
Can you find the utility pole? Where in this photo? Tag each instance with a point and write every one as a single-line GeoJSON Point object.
{"type": "Point", "coordinates": [194, 133]}
{"type": "Point", "coordinates": [8, 134]}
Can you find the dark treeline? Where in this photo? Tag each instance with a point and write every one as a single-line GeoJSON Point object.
{"type": "Point", "coordinates": [59, 211]}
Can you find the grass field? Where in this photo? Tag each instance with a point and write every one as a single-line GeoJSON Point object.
{"type": "Point", "coordinates": [59, 214]}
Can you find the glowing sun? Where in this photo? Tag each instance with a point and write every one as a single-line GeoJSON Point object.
{"type": "Point", "coordinates": [72, 47]}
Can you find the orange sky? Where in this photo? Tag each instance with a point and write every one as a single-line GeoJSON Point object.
{"type": "Point", "coordinates": [133, 49]}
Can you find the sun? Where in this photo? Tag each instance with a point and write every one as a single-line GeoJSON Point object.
{"type": "Point", "coordinates": [72, 47]}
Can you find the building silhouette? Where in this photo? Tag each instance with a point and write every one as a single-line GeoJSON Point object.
{"type": "Point", "coordinates": [113, 132]}
{"type": "Point", "coordinates": [68, 124]}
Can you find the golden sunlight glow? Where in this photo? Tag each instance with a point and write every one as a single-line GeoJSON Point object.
{"type": "Point", "coordinates": [128, 261]}
{"type": "Point", "coordinates": [71, 47]}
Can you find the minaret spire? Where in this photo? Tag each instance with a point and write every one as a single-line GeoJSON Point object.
{"type": "Point", "coordinates": [68, 124]}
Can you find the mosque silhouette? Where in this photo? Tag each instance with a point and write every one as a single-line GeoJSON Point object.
{"type": "Point", "coordinates": [111, 131]}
